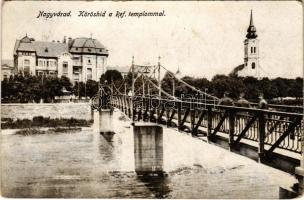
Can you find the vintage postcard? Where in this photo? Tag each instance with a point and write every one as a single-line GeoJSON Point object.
{"type": "Point", "coordinates": [152, 99]}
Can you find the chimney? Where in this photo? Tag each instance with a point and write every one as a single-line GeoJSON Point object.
{"type": "Point", "coordinates": [64, 39]}
{"type": "Point", "coordinates": [70, 41]}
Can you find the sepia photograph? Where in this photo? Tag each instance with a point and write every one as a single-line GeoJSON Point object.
{"type": "Point", "coordinates": [152, 99]}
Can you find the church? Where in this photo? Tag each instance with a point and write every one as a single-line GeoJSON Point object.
{"type": "Point", "coordinates": [251, 53]}
{"type": "Point", "coordinates": [80, 59]}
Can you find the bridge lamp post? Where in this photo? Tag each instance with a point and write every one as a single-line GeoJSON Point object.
{"type": "Point", "coordinates": [177, 73]}
{"type": "Point", "coordinates": [159, 82]}
{"type": "Point", "coordinates": [145, 72]}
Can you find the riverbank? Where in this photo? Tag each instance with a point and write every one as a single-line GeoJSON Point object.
{"type": "Point", "coordinates": [52, 110]}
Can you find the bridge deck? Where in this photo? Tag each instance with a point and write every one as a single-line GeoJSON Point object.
{"type": "Point", "coordinates": [271, 133]}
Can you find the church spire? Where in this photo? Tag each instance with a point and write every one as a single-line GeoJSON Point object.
{"type": "Point", "coordinates": [251, 19]}
{"type": "Point", "coordinates": [251, 31]}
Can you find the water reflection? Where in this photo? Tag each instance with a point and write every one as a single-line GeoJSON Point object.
{"type": "Point", "coordinates": [108, 136]}
{"type": "Point", "coordinates": [158, 185]}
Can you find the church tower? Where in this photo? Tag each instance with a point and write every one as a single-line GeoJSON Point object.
{"type": "Point", "coordinates": [251, 56]}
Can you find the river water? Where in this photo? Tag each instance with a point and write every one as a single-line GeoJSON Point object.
{"type": "Point", "coordinates": [88, 164]}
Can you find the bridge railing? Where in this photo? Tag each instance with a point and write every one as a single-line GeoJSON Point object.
{"type": "Point", "coordinates": [276, 107]}
{"type": "Point", "coordinates": [271, 129]}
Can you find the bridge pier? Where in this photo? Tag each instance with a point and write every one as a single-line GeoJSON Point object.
{"type": "Point", "coordinates": [106, 121]}
{"type": "Point", "coordinates": [148, 149]}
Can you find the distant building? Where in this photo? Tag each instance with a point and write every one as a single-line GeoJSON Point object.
{"type": "Point", "coordinates": [7, 69]}
{"type": "Point", "coordinates": [251, 52]}
{"type": "Point", "coordinates": [79, 59]}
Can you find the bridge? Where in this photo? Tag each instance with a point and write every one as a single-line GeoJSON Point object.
{"type": "Point", "coordinates": [272, 136]}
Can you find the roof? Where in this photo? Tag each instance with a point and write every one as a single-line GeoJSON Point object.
{"type": "Point", "coordinates": [7, 65]}
{"type": "Point", "coordinates": [43, 49]}
{"type": "Point", "coordinates": [50, 49]}
{"type": "Point", "coordinates": [7, 62]}
{"type": "Point", "coordinates": [87, 42]}
{"type": "Point", "coordinates": [87, 45]}
{"type": "Point", "coordinates": [16, 46]}
{"type": "Point", "coordinates": [54, 49]}
{"type": "Point", "coordinates": [251, 31]}
{"type": "Point", "coordinates": [26, 39]}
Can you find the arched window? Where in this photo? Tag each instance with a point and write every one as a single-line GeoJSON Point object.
{"type": "Point", "coordinates": [65, 69]}
{"type": "Point", "coordinates": [253, 65]}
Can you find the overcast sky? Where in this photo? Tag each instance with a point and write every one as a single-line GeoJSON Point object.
{"type": "Point", "coordinates": [202, 38]}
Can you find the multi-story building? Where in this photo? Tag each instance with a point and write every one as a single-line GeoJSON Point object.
{"type": "Point", "coordinates": [79, 59]}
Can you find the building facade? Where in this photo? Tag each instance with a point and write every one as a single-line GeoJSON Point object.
{"type": "Point", "coordinates": [7, 69]}
{"type": "Point", "coordinates": [251, 52]}
{"type": "Point", "coordinates": [79, 59]}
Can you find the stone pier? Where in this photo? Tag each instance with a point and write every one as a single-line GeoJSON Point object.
{"type": "Point", "coordinates": [106, 122]}
{"type": "Point", "coordinates": [148, 149]}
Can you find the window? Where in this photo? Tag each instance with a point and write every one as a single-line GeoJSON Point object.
{"type": "Point", "coordinates": [254, 50]}
{"type": "Point", "coordinates": [253, 65]}
{"type": "Point", "coordinates": [64, 68]}
{"type": "Point", "coordinates": [89, 74]}
{"type": "Point", "coordinates": [52, 63]}
{"type": "Point", "coordinates": [89, 61]}
{"type": "Point", "coordinates": [76, 75]}
{"type": "Point", "coordinates": [40, 63]}
{"type": "Point", "coordinates": [26, 53]}
{"type": "Point", "coordinates": [89, 50]}
{"type": "Point", "coordinates": [26, 66]}
{"type": "Point", "coordinates": [27, 62]}
{"type": "Point", "coordinates": [251, 50]}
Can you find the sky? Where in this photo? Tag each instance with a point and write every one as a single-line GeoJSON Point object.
{"type": "Point", "coordinates": [202, 39]}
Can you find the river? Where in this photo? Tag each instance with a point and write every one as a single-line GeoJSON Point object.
{"type": "Point", "coordinates": [87, 164]}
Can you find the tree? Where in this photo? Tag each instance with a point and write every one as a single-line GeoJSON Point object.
{"type": "Point", "coordinates": [252, 90]}
{"type": "Point", "coordinates": [111, 75]}
{"type": "Point", "coordinates": [232, 85]}
{"type": "Point", "coordinates": [296, 89]}
{"type": "Point", "coordinates": [79, 89]}
{"type": "Point", "coordinates": [269, 90]}
{"type": "Point", "coordinates": [282, 85]}
{"type": "Point", "coordinates": [91, 88]}
{"type": "Point", "coordinates": [66, 83]}
{"type": "Point", "coordinates": [167, 83]}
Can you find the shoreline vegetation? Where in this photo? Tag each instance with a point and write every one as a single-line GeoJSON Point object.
{"type": "Point", "coordinates": [46, 122]}
{"type": "Point", "coordinates": [37, 131]}
{"type": "Point", "coordinates": [46, 89]}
